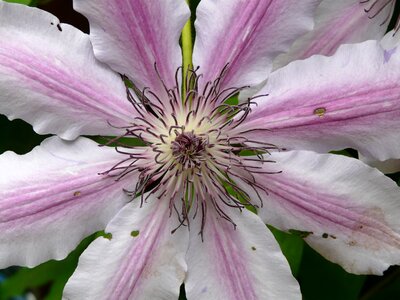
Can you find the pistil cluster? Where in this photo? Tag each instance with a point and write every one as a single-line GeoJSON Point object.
{"type": "Point", "coordinates": [193, 156]}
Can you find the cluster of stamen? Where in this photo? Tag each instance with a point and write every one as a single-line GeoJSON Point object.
{"type": "Point", "coordinates": [189, 150]}
{"type": "Point", "coordinates": [192, 158]}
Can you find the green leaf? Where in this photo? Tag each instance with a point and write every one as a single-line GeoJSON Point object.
{"type": "Point", "coordinates": [346, 152]}
{"type": "Point", "coordinates": [26, 2]}
{"type": "Point", "coordinates": [383, 287]}
{"type": "Point", "coordinates": [292, 247]}
{"type": "Point", "coordinates": [105, 140]}
{"type": "Point", "coordinates": [321, 279]}
{"type": "Point", "coordinates": [18, 136]}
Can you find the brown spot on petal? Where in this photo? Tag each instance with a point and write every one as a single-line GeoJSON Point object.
{"type": "Point", "coordinates": [352, 243]}
{"type": "Point", "coordinates": [253, 248]}
{"type": "Point", "coordinates": [325, 235]}
{"type": "Point", "coordinates": [320, 111]}
{"type": "Point", "coordinates": [77, 193]}
{"type": "Point", "coordinates": [373, 230]}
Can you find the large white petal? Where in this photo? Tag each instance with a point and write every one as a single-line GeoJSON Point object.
{"type": "Point", "coordinates": [53, 197]}
{"type": "Point", "coordinates": [50, 78]}
{"type": "Point", "coordinates": [236, 264]}
{"type": "Point", "coordinates": [132, 35]}
{"type": "Point", "coordinates": [348, 100]}
{"type": "Point", "coordinates": [142, 260]}
{"type": "Point", "coordinates": [350, 210]}
{"type": "Point", "coordinates": [247, 34]}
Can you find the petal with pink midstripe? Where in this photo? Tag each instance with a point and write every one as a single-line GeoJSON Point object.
{"type": "Point", "coordinates": [142, 260]}
{"type": "Point", "coordinates": [53, 197]}
{"type": "Point", "coordinates": [347, 211]}
{"type": "Point", "coordinates": [248, 35]}
{"type": "Point", "coordinates": [349, 100]}
{"type": "Point", "coordinates": [341, 22]}
{"type": "Point", "coordinates": [235, 264]}
{"type": "Point", "coordinates": [132, 36]}
{"type": "Point", "coordinates": [50, 78]}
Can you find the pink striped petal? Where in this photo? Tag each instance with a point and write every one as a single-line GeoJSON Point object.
{"type": "Point", "coordinates": [341, 22]}
{"type": "Point", "coordinates": [142, 260]}
{"type": "Point", "coordinates": [53, 197]}
{"type": "Point", "coordinates": [248, 35]}
{"type": "Point", "coordinates": [349, 100]}
{"type": "Point", "coordinates": [132, 35]}
{"type": "Point", "coordinates": [230, 264]}
{"type": "Point", "coordinates": [50, 78]}
{"type": "Point", "coordinates": [349, 211]}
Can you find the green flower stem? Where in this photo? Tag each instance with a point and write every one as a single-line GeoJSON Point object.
{"type": "Point", "coordinates": [187, 51]}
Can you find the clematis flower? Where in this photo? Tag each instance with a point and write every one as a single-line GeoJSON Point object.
{"type": "Point", "coordinates": [175, 207]}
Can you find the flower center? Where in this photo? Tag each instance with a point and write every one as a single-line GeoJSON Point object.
{"type": "Point", "coordinates": [189, 149]}
{"type": "Point", "coordinates": [192, 158]}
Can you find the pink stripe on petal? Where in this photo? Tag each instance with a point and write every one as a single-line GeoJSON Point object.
{"type": "Point", "coordinates": [349, 100]}
{"type": "Point", "coordinates": [128, 281]}
{"type": "Point", "coordinates": [235, 264]}
{"type": "Point", "coordinates": [143, 259]}
{"type": "Point", "coordinates": [53, 197]}
{"type": "Point", "coordinates": [50, 78]}
{"type": "Point", "coordinates": [42, 76]}
{"type": "Point", "coordinates": [349, 210]}
{"type": "Point", "coordinates": [248, 35]}
{"type": "Point", "coordinates": [132, 35]}
{"type": "Point", "coordinates": [230, 261]}
{"type": "Point", "coordinates": [337, 23]}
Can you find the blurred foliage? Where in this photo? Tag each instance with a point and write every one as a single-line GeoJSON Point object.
{"type": "Point", "coordinates": [26, 2]}
{"type": "Point", "coordinates": [17, 136]}
{"type": "Point", "coordinates": [31, 2]}
{"type": "Point", "coordinates": [292, 247]}
{"type": "Point", "coordinates": [319, 279]}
